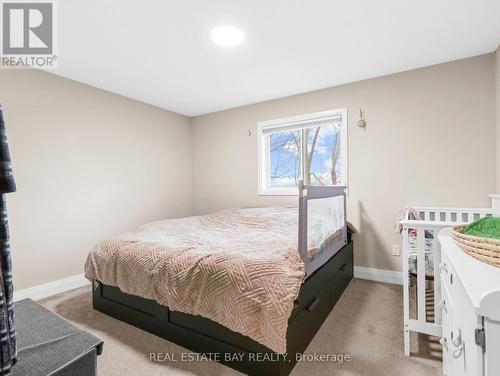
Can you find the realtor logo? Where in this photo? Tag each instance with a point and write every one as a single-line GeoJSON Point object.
{"type": "Point", "coordinates": [28, 34]}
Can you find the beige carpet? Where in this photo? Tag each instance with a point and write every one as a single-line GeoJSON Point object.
{"type": "Point", "coordinates": [366, 323]}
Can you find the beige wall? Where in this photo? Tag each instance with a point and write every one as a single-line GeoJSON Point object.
{"type": "Point", "coordinates": [497, 89]}
{"type": "Point", "coordinates": [430, 140]}
{"type": "Point", "coordinates": [88, 164]}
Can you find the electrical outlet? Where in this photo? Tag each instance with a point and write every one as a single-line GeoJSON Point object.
{"type": "Point", "coordinates": [395, 250]}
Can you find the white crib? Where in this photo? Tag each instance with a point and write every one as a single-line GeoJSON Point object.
{"type": "Point", "coordinates": [418, 238]}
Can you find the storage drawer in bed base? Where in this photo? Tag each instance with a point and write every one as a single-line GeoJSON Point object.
{"type": "Point", "coordinates": [317, 297]}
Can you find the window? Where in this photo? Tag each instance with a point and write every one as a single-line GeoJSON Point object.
{"type": "Point", "coordinates": [310, 147]}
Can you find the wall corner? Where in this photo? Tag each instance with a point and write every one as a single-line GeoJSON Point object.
{"type": "Point", "coordinates": [497, 117]}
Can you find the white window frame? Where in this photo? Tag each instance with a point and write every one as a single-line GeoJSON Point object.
{"type": "Point", "coordinates": [322, 118]}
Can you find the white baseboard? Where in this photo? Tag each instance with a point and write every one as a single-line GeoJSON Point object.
{"type": "Point", "coordinates": [378, 275]}
{"type": "Point", "coordinates": [51, 288]}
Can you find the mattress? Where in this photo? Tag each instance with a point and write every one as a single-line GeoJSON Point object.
{"type": "Point", "coordinates": [240, 268]}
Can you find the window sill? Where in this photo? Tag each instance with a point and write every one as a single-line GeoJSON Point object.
{"type": "Point", "coordinates": [279, 192]}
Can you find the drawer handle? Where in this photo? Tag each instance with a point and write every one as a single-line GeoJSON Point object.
{"type": "Point", "coordinates": [343, 267]}
{"type": "Point", "coordinates": [458, 344]}
{"type": "Point", "coordinates": [442, 304]}
{"type": "Point", "coordinates": [313, 305]}
{"type": "Point", "coordinates": [444, 343]}
{"type": "Point", "coordinates": [458, 351]}
{"type": "Point", "coordinates": [443, 267]}
{"type": "Point", "coordinates": [458, 341]}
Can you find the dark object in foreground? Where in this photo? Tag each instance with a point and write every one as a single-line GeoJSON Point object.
{"type": "Point", "coordinates": [50, 345]}
{"type": "Point", "coordinates": [318, 295]}
{"type": "Point", "coordinates": [8, 350]}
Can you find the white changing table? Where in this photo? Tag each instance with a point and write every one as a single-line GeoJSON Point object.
{"type": "Point", "coordinates": [470, 305]}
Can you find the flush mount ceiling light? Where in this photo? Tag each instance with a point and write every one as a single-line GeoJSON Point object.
{"type": "Point", "coordinates": [227, 36]}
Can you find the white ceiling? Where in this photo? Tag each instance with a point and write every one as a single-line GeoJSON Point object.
{"type": "Point", "coordinates": [160, 52]}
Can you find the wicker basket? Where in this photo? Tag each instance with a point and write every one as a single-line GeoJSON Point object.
{"type": "Point", "coordinates": [484, 249]}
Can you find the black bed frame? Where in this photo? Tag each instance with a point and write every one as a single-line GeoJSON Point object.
{"type": "Point", "coordinates": [326, 279]}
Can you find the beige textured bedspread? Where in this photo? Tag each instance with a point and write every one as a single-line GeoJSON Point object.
{"type": "Point", "coordinates": [238, 267]}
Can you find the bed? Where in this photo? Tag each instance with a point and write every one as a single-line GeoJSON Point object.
{"type": "Point", "coordinates": [250, 282]}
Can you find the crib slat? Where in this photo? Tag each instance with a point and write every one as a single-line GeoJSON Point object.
{"type": "Point", "coordinates": [448, 216]}
{"type": "Point", "coordinates": [421, 275]}
{"type": "Point", "coordinates": [406, 291]}
{"type": "Point", "coordinates": [436, 255]}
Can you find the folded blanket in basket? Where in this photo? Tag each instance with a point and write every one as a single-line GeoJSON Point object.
{"type": "Point", "coordinates": [487, 227]}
